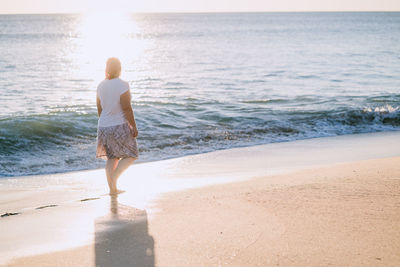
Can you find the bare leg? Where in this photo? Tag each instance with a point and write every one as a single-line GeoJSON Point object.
{"type": "Point", "coordinates": [111, 165]}
{"type": "Point", "coordinates": [123, 164]}
{"type": "Point", "coordinates": [114, 169]}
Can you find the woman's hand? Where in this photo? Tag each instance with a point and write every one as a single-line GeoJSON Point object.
{"type": "Point", "coordinates": [135, 132]}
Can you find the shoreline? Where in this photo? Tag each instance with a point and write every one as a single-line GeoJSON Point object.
{"type": "Point", "coordinates": [214, 151]}
{"type": "Point", "coordinates": [219, 166]}
{"type": "Point", "coordinates": [197, 191]}
{"type": "Point", "coordinates": [214, 167]}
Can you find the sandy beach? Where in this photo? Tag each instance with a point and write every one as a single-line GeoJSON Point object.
{"type": "Point", "coordinates": [259, 138]}
{"type": "Point", "coordinates": [317, 202]}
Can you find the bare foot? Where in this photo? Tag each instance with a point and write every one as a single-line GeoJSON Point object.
{"type": "Point", "coordinates": [116, 192]}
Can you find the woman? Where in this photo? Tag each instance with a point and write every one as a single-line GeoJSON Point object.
{"type": "Point", "coordinates": [116, 132]}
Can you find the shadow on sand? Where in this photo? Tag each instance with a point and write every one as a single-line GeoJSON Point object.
{"type": "Point", "coordinates": [122, 237]}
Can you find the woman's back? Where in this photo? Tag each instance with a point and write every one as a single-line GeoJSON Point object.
{"type": "Point", "coordinates": [109, 92]}
{"type": "Point", "coordinates": [116, 131]}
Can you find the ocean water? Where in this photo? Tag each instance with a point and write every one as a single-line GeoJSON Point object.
{"type": "Point", "coordinates": [200, 82]}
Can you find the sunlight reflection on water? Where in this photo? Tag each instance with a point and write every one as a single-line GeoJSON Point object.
{"type": "Point", "coordinates": [104, 35]}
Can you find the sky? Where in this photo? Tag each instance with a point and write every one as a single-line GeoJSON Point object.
{"type": "Point", "coordinates": [85, 6]}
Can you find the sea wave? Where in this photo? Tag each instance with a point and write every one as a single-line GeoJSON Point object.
{"type": "Point", "coordinates": [40, 132]}
{"type": "Point", "coordinates": [65, 140]}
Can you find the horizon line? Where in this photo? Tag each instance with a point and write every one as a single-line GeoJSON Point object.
{"type": "Point", "coordinates": [215, 12]}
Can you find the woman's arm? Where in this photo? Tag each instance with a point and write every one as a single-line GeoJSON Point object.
{"type": "Point", "coordinates": [125, 100]}
{"type": "Point", "coordinates": [99, 109]}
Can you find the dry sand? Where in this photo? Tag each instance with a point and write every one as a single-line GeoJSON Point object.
{"type": "Point", "coordinates": [320, 214]}
{"type": "Point", "coordinates": [341, 215]}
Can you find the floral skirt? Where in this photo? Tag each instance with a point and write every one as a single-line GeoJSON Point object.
{"type": "Point", "coordinates": [116, 142]}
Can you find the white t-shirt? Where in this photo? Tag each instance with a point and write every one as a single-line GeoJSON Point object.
{"type": "Point", "coordinates": [109, 92]}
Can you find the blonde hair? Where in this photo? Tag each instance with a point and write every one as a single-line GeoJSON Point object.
{"type": "Point", "coordinates": [113, 68]}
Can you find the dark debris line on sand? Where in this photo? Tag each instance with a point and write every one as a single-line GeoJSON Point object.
{"type": "Point", "coordinates": [43, 207]}
{"type": "Point", "coordinates": [87, 199]}
{"type": "Point", "coordinates": [9, 214]}
{"type": "Point", "coordinates": [47, 206]}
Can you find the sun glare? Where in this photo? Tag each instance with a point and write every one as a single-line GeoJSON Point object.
{"type": "Point", "coordinates": [108, 34]}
